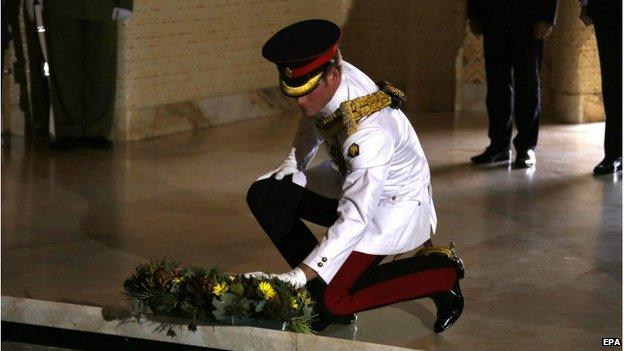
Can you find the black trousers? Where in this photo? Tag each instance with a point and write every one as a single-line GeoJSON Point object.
{"type": "Point", "coordinates": [609, 39]}
{"type": "Point", "coordinates": [512, 67]}
{"type": "Point", "coordinates": [281, 206]}
{"type": "Point", "coordinates": [361, 283]}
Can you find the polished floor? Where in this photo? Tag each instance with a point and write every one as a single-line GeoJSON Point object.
{"type": "Point", "coordinates": [542, 246]}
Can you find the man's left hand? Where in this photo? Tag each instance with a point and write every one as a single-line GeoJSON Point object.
{"type": "Point", "coordinates": [542, 30]}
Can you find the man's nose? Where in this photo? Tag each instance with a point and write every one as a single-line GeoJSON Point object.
{"type": "Point", "coordinates": [300, 100]}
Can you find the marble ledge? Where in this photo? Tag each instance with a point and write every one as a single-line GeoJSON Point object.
{"type": "Point", "coordinates": [115, 321]}
{"type": "Point", "coordinates": [147, 122]}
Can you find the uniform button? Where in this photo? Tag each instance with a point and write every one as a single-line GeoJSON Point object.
{"type": "Point", "coordinates": [324, 259]}
{"type": "Point", "coordinates": [320, 264]}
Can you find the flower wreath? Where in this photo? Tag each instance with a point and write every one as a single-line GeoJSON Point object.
{"type": "Point", "coordinates": [199, 294]}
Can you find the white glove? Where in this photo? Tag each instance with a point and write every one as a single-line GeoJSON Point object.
{"type": "Point", "coordinates": [296, 277]}
{"type": "Point", "coordinates": [289, 166]}
{"type": "Point", "coordinates": [257, 275]}
{"type": "Point", "coordinates": [121, 14]}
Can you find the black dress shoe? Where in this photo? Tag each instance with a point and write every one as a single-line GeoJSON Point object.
{"type": "Point", "coordinates": [459, 267]}
{"type": "Point", "coordinates": [525, 159]}
{"type": "Point", "coordinates": [65, 143]}
{"type": "Point", "coordinates": [491, 155]}
{"type": "Point", "coordinates": [450, 305]}
{"type": "Point", "coordinates": [99, 143]}
{"type": "Point", "coordinates": [608, 166]}
{"type": "Point", "coordinates": [323, 321]}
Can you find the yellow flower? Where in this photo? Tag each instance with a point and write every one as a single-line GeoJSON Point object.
{"type": "Point", "coordinates": [267, 290]}
{"type": "Point", "coordinates": [178, 280]}
{"type": "Point", "coordinates": [293, 303]}
{"type": "Point", "coordinates": [232, 278]}
{"type": "Point", "coordinates": [305, 298]}
{"type": "Point", "coordinates": [220, 289]}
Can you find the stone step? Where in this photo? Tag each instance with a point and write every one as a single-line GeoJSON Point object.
{"type": "Point", "coordinates": [119, 322]}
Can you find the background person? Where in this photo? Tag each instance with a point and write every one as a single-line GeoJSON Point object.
{"type": "Point", "coordinates": [513, 34]}
{"type": "Point", "coordinates": [606, 16]}
{"type": "Point", "coordinates": [82, 49]}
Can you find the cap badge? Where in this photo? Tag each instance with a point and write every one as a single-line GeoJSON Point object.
{"type": "Point", "coordinates": [288, 72]}
{"type": "Point", "coordinates": [354, 150]}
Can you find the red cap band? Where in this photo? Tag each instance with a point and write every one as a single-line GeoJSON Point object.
{"type": "Point", "coordinates": [316, 63]}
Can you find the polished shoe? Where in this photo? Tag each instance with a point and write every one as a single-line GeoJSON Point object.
{"type": "Point", "coordinates": [525, 159]}
{"type": "Point", "coordinates": [450, 305]}
{"type": "Point", "coordinates": [491, 156]}
{"type": "Point", "coordinates": [608, 166]}
{"type": "Point", "coordinates": [323, 321]}
{"type": "Point", "coordinates": [459, 267]}
{"type": "Point", "coordinates": [99, 143]}
{"type": "Point", "coordinates": [65, 143]}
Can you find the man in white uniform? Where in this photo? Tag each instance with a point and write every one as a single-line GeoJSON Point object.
{"type": "Point", "coordinates": [374, 194]}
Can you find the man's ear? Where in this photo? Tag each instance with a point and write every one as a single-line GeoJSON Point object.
{"type": "Point", "coordinates": [333, 74]}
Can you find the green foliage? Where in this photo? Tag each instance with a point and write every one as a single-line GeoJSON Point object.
{"type": "Point", "coordinates": [198, 294]}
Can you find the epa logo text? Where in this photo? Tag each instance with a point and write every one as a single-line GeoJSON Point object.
{"type": "Point", "coordinates": [611, 342]}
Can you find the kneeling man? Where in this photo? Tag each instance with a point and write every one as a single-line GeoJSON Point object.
{"type": "Point", "coordinates": [374, 195]}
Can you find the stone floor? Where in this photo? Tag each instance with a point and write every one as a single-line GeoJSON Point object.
{"type": "Point", "coordinates": [542, 247]}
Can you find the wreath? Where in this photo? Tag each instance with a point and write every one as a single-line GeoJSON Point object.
{"type": "Point", "coordinates": [211, 295]}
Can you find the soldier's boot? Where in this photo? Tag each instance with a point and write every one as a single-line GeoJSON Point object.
{"type": "Point", "coordinates": [449, 304]}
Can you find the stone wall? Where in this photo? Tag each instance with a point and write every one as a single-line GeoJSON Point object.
{"type": "Point", "coordinates": [190, 49]}
{"type": "Point", "coordinates": [190, 64]}
{"type": "Point", "coordinates": [574, 86]}
{"type": "Point", "coordinates": [410, 43]}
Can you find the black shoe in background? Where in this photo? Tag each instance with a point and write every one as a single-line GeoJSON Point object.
{"type": "Point", "coordinates": [98, 143]}
{"type": "Point", "coordinates": [65, 143]}
{"type": "Point", "coordinates": [491, 155]}
{"type": "Point", "coordinates": [608, 166]}
{"type": "Point", "coordinates": [525, 159]}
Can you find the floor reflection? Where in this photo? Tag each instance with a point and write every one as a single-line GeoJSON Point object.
{"type": "Point", "coordinates": [542, 246]}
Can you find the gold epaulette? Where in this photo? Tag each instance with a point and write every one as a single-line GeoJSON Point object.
{"type": "Point", "coordinates": [350, 112]}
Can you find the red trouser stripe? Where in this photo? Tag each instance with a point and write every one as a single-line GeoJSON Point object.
{"type": "Point", "coordinates": [338, 300]}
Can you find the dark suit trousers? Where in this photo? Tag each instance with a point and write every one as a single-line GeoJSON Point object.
{"type": "Point", "coordinates": [512, 68]}
{"type": "Point", "coordinates": [361, 283]}
{"type": "Point", "coordinates": [83, 56]}
{"type": "Point", "coordinates": [609, 39]}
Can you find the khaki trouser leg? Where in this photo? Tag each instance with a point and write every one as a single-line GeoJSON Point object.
{"type": "Point", "coordinates": [64, 38]}
{"type": "Point", "coordinates": [99, 72]}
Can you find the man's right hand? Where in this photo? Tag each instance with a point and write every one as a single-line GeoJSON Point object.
{"type": "Point", "coordinates": [475, 26]}
{"type": "Point", "coordinates": [289, 166]}
{"type": "Point", "coordinates": [584, 17]}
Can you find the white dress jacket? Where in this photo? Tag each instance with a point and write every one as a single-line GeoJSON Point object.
{"type": "Point", "coordinates": [385, 200]}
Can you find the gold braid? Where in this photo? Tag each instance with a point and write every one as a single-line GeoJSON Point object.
{"type": "Point", "coordinates": [350, 112]}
